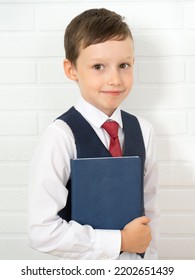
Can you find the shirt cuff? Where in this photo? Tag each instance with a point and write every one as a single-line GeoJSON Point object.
{"type": "Point", "coordinates": [108, 243]}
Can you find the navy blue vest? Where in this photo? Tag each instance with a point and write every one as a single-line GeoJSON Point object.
{"type": "Point", "coordinates": [88, 144]}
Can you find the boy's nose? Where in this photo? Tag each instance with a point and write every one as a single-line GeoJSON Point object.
{"type": "Point", "coordinates": [114, 78]}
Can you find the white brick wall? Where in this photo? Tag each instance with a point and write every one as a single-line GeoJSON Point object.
{"type": "Point", "coordinates": [34, 90]}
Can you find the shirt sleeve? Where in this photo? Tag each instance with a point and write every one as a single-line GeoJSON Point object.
{"type": "Point", "coordinates": [49, 173]}
{"type": "Point", "coordinates": [150, 187]}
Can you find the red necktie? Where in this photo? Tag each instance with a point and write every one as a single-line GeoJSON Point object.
{"type": "Point", "coordinates": [112, 128]}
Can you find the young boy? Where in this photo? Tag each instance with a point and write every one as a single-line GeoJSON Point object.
{"type": "Point", "coordinates": [99, 58]}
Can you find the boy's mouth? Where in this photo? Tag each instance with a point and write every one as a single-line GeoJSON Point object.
{"type": "Point", "coordinates": [113, 92]}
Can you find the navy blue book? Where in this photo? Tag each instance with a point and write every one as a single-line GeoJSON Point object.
{"type": "Point", "coordinates": [106, 193]}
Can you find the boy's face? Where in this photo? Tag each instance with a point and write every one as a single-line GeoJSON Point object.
{"type": "Point", "coordinates": [104, 73]}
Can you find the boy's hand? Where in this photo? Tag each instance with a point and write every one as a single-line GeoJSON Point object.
{"type": "Point", "coordinates": [136, 236]}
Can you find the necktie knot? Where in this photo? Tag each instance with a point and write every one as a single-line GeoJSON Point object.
{"type": "Point", "coordinates": [112, 128]}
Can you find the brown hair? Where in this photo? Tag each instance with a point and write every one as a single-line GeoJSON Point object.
{"type": "Point", "coordinates": [92, 27]}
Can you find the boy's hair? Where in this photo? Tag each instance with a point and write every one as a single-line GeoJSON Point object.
{"type": "Point", "coordinates": [92, 27]}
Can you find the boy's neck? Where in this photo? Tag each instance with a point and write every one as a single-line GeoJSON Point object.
{"type": "Point", "coordinates": [94, 115]}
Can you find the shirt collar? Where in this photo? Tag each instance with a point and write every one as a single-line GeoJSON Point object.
{"type": "Point", "coordinates": [94, 116]}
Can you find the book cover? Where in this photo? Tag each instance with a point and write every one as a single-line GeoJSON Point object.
{"type": "Point", "coordinates": [106, 193]}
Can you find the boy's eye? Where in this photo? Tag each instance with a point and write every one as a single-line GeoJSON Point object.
{"type": "Point", "coordinates": [124, 65]}
{"type": "Point", "coordinates": [98, 66]}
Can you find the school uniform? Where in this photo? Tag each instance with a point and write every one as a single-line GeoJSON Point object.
{"type": "Point", "coordinates": [50, 174]}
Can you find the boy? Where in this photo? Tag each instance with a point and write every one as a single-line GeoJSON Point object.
{"type": "Point", "coordinates": [99, 58]}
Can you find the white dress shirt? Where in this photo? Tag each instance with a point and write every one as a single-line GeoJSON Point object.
{"type": "Point", "coordinates": [49, 173]}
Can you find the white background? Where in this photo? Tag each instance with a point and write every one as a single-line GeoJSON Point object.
{"type": "Point", "coordinates": [34, 90]}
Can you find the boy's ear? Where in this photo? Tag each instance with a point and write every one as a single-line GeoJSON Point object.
{"type": "Point", "coordinates": [70, 70]}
